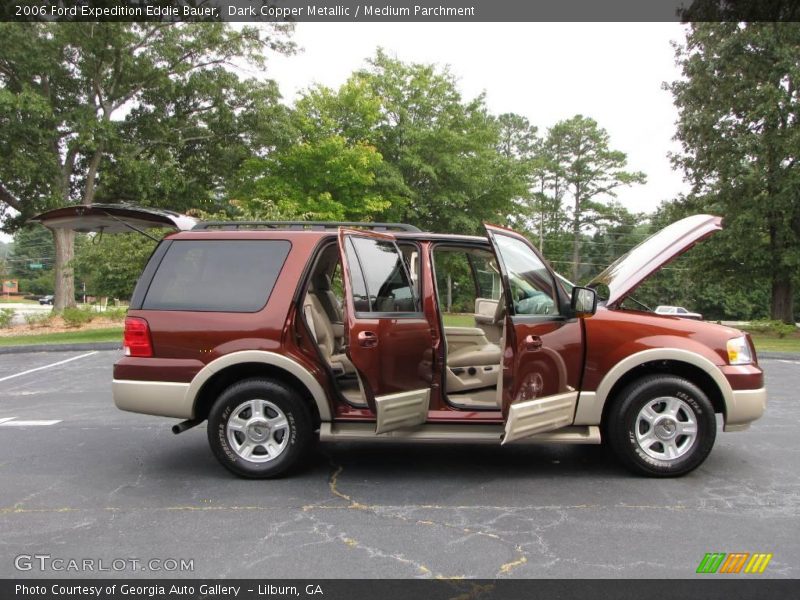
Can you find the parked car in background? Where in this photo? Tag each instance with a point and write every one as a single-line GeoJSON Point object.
{"type": "Point", "coordinates": [678, 311]}
{"type": "Point", "coordinates": [281, 333]}
{"type": "Point", "coordinates": [46, 300]}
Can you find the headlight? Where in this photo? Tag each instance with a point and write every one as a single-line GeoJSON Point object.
{"type": "Point", "coordinates": [739, 351]}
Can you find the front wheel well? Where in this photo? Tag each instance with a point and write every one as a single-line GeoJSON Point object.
{"type": "Point", "coordinates": [667, 367]}
{"type": "Point", "coordinates": [223, 379]}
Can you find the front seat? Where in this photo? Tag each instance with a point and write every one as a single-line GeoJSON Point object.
{"type": "Point", "coordinates": [473, 362]}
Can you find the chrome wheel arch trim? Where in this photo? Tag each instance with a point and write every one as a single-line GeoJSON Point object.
{"type": "Point", "coordinates": [591, 403]}
{"type": "Point", "coordinates": [267, 358]}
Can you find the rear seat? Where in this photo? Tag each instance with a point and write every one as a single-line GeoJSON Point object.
{"type": "Point", "coordinates": [323, 332]}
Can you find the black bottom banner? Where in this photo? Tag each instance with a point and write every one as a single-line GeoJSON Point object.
{"type": "Point", "coordinates": [397, 589]}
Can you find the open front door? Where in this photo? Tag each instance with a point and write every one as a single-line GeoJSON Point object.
{"type": "Point", "coordinates": [386, 332]}
{"type": "Point", "coordinates": [542, 343]}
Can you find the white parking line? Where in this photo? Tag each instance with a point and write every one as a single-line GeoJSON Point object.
{"type": "Point", "coordinates": [55, 364]}
{"type": "Point", "coordinates": [12, 422]}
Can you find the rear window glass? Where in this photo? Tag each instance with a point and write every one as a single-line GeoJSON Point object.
{"type": "Point", "coordinates": [217, 275]}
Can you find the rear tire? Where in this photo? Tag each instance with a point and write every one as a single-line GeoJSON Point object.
{"type": "Point", "coordinates": [662, 426]}
{"type": "Point", "coordinates": [259, 428]}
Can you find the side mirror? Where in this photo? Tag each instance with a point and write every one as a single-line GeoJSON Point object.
{"type": "Point", "coordinates": [583, 302]}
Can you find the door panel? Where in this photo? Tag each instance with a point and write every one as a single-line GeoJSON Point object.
{"type": "Point", "coordinates": [406, 409]}
{"type": "Point", "coordinates": [388, 337]}
{"type": "Point", "coordinates": [543, 349]}
{"type": "Point", "coordinates": [539, 415]}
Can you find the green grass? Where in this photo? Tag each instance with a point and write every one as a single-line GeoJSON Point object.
{"type": "Point", "coordinates": [4, 300]}
{"type": "Point", "coordinates": [458, 320]}
{"type": "Point", "coordinates": [109, 334]}
{"type": "Point", "coordinates": [766, 343]}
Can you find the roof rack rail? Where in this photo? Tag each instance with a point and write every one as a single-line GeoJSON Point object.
{"type": "Point", "coordinates": [302, 225]}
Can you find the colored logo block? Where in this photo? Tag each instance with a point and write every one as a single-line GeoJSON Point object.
{"type": "Point", "coordinates": [734, 562]}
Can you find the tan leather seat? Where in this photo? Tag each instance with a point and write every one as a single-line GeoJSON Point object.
{"type": "Point", "coordinates": [474, 356]}
{"type": "Point", "coordinates": [323, 332]}
{"type": "Point", "coordinates": [330, 304]}
{"type": "Point", "coordinates": [473, 362]}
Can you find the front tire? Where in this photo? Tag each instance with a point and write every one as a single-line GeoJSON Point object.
{"type": "Point", "coordinates": [662, 426]}
{"type": "Point", "coordinates": [259, 428]}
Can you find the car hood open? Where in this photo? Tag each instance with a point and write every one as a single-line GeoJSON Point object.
{"type": "Point", "coordinates": [112, 218]}
{"type": "Point", "coordinates": [633, 267]}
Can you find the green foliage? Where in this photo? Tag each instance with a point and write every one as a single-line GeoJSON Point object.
{"type": "Point", "coordinates": [739, 126]}
{"type": "Point", "coordinates": [771, 327]}
{"type": "Point", "coordinates": [6, 315]}
{"type": "Point", "coordinates": [75, 317]}
{"type": "Point", "coordinates": [583, 167]}
{"type": "Point", "coordinates": [143, 112]}
{"type": "Point", "coordinates": [327, 179]}
{"type": "Point", "coordinates": [110, 265]}
{"type": "Point", "coordinates": [37, 285]}
{"type": "Point", "coordinates": [116, 314]}
{"type": "Point", "coordinates": [39, 319]}
{"type": "Point", "coordinates": [32, 245]}
{"type": "Point", "coordinates": [396, 142]}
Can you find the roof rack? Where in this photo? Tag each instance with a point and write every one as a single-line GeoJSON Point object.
{"type": "Point", "coordinates": [303, 225]}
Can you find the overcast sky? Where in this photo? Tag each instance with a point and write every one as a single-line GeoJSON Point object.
{"type": "Point", "coordinates": [544, 71]}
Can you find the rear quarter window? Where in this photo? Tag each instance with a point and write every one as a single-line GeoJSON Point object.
{"type": "Point", "coordinates": [217, 275]}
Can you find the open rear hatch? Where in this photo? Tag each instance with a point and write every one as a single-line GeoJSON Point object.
{"type": "Point", "coordinates": [112, 218]}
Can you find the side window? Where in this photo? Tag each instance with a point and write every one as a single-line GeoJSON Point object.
{"type": "Point", "coordinates": [468, 285]}
{"type": "Point", "coordinates": [379, 277]}
{"type": "Point", "coordinates": [455, 285]}
{"type": "Point", "coordinates": [337, 286]}
{"type": "Point", "coordinates": [411, 257]}
{"type": "Point", "coordinates": [217, 275]}
{"type": "Point", "coordinates": [489, 283]}
{"type": "Point", "coordinates": [531, 283]}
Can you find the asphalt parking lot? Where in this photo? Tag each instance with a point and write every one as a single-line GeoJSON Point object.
{"type": "Point", "coordinates": [103, 484]}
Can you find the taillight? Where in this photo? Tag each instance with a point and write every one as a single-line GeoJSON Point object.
{"type": "Point", "coordinates": [136, 341]}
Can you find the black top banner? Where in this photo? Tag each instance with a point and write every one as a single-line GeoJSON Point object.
{"type": "Point", "coordinates": [401, 10]}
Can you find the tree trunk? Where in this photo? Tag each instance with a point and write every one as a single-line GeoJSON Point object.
{"type": "Point", "coordinates": [576, 241]}
{"type": "Point", "coordinates": [782, 305]}
{"type": "Point", "coordinates": [64, 296]}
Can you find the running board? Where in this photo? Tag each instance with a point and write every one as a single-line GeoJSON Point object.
{"type": "Point", "coordinates": [457, 433]}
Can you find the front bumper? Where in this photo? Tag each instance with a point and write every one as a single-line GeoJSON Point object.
{"type": "Point", "coordinates": [746, 406]}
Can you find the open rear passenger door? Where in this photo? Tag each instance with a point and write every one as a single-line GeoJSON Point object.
{"type": "Point", "coordinates": [542, 343]}
{"type": "Point", "coordinates": [387, 334]}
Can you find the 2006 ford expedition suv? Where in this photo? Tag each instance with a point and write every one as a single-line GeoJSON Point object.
{"type": "Point", "coordinates": [281, 333]}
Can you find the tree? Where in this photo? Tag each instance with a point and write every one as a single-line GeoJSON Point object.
{"type": "Point", "coordinates": [442, 165]}
{"type": "Point", "coordinates": [739, 127]}
{"type": "Point", "coordinates": [110, 265]}
{"type": "Point", "coordinates": [144, 111]}
{"type": "Point", "coordinates": [590, 172]}
{"type": "Point", "coordinates": [328, 169]}
{"type": "Point", "coordinates": [520, 145]}
{"type": "Point", "coordinates": [32, 246]}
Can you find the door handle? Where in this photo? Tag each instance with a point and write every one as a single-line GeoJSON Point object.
{"type": "Point", "coordinates": [532, 342]}
{"type": "Point", "coordinates": [367, 339]}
